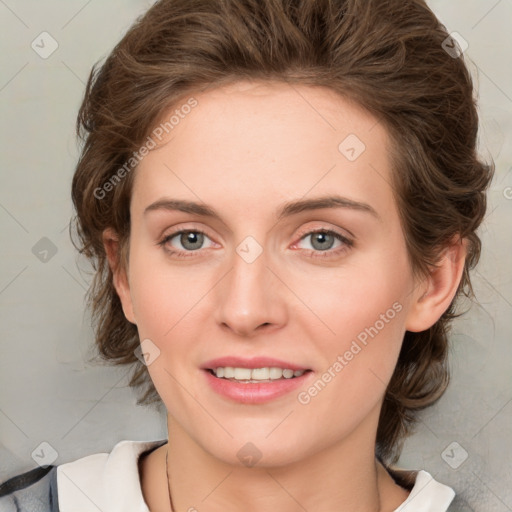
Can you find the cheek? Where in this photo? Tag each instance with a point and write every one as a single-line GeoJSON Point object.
{"type": "Point", "coordinates": [163, 295]}
{"type": "Point", "coordinates": [360, 317]}
{"type": "Point", "coordinates": [344, 301]}
{"type": "Point", "coordinates": [358, 360]}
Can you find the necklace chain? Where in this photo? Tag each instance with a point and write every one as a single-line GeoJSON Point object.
{"type": "Point", "coordinates": [168, 481]}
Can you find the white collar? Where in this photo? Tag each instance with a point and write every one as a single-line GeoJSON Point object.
{"type": "Point", "coordinates": [110, 482]}
{"type": "Point", "coordinates": [427, 494]}
{"type": "Point", "coordinates": [104, 482]}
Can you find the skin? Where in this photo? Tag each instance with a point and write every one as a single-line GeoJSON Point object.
{"type": "Point", "coordinates": [246, 149]}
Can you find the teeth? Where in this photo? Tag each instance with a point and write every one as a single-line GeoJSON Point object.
{"type": "Point", "coordinates": [258, 374]}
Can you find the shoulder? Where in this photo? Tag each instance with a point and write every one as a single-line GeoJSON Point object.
{"type": "Point", "coordinates": [33, 490]}
{"type": "Point", "coordinates": [99, 479]}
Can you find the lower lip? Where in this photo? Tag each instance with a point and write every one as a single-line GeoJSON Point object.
{"type": "Point", "coordinates": [256, 393]}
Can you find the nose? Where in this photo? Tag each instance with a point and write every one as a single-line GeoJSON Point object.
{"type": "Point", "coordinates": [251, 298]}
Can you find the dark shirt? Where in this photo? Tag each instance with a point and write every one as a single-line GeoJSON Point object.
{"type": "Point", "coordinates": [33, 491]}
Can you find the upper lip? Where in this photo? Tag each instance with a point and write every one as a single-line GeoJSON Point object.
{"type": "Point", "coordinates": [254, 362]}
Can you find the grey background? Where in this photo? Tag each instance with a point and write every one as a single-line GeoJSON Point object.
{"type": "Point", "coordinates": [48, 391]}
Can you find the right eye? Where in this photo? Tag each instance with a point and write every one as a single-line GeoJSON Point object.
{"type": "Point", "coordinates": [190, 239]}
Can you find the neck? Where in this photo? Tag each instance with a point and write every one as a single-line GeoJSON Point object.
{"type": "Point", "coordinates": [343, 476]}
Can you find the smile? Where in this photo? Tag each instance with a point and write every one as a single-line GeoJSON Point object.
{"type": "Point", "coordinates": [255, 374]}
{"type": "Point", "coordinates": [271, 383]}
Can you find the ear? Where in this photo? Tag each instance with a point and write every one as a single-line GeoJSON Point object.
{"type": "Point", "coordinates": [120, 278]}
{"type": "Point", "coordinates": [435, 293]}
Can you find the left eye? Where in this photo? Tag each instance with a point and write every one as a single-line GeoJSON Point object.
{"type": "Point", "coordinates": [323, 241]}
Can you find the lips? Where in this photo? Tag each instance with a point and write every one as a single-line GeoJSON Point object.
{"type": "Point", "coordinates": [254, 362]}
{"type": "Point", "coordinates": [255, 393]}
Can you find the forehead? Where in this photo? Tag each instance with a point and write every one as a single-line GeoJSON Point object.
{"type": "Point", "coordinates": [253, 141]}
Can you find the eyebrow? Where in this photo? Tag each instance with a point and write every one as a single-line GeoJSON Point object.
{"type": "Point", "coordinates": [286, 210]}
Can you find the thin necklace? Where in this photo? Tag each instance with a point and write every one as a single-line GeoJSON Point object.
{"type": "Point", "coordinates": [168, 482]}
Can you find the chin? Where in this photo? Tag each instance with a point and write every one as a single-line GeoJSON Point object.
{"type": "Point", "coordinates": [246, 450]}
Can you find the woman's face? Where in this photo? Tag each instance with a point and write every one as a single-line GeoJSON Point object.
{"type": "Point", "coordinates": [259, 282]}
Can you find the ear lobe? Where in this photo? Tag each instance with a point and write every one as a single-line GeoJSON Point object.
{"type": "Point", "coordinates": [435, 294]}
{"type": "Point", "coordinates": [119, 277]}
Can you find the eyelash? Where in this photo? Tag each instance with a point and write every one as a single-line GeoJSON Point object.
{"type": "Point", "coordinates": [329, 253]}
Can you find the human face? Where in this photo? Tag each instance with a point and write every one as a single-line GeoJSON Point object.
{"type": "Point", "coordinates": [257, 284]}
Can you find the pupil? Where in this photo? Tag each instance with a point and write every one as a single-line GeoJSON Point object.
{"type": "Point", "coordinates": [322, 237]}
{"type": "Point", "coordinates": [192, 238]}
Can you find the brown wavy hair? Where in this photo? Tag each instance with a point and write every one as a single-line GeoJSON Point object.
{"type": "Point", "coordinates": [387, 56]}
